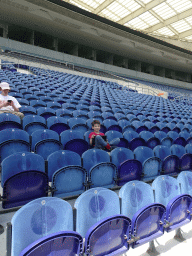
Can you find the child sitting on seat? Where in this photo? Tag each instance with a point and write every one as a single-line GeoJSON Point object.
{"type": "Point", "coordinates": [99, 142]}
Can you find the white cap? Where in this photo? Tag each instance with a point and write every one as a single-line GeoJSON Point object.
{"type": "Point", "coordinates": [4, 86]}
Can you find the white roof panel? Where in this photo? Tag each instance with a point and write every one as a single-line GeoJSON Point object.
{"type": "Point", "coordinates": [164, 11]}
{"type": "Point", "coordinates": [168, 18]}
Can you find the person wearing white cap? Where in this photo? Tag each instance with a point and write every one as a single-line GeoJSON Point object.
{"type": "Point", "coordinates": [8, 104]}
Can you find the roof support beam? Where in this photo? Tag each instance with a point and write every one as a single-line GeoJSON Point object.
{"type": "Point", "coordinates": [161, 20]}
{"type": "Point", "coordinates": [169, 21]}
{"type": "Point", "coordinates": [102, 6]}
{"type": "Point", "coordinates": [140, 11]}
{"type": "Point", "coordinates": [185, 34]}
{"type": "Point", "coordinates": [79, 2]}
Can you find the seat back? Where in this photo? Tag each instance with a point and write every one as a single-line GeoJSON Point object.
{"type": "Point", "coordinates": [75, 120]}
{"type": "Point", "coordinates": [113, 135]}
{"type": "Point", "coordinates": [135, 194]}
{"type": "Point", "coordinates": [184, 134]}
{"type": "Point", "coordinates": [146, 135]}
{"type": "Point", "coordinates": [70, 135]}
{"type": "Point", "coordinates": [129, 135]}
{"type": "Point", "coordinates": [43, 135]}
{"type": "Point", "coordinates": [185, 182]}
{"type": "Point", "coordinates": [28, 110]}
{"type": "Point", "coordinates": [119, 155]}
{"type": "Point", "coordinates": [69, 181]}
{"type": "Point", "coordinates": [57, 124]}
{"type": "Point", "coordinates": [143, 153]}
{"type": "Point", "coordinates": [109, 122]}
{"type": "Point", "coordinates": [46, 112]}
{"type": "Point", "coordinates": [43, 217]}
{"type": "Point", "coordinates": [173, 135]}
{"type": "Point", "coordinates": [177, 150]}
{"type": "Point", "coordinates": [180, 141]}
{"type": "Point", "coordinates": [29, 119]}
{"type": "Point", "coordinates": [160, 135]}
{"type": "Point", "coordinates": [161, 152]}
{"type": "Point", "coordinates": [8, 120]}
{"type": "Point", "coordinates": [77, 145]}
{"type": "Point", "coordinates": [188, 148]}
{"type": "Point", "coordinates": [13, 134]}
{"type": "Point", "coordinates": [20, 162]}
{"type": "Point", "coordinates": [166, 188]}
{"type": "Point", "coordinates": [61, 159]}
{"type": "Point", "coordinates": [94, 205]}
{"type": "Point", "coordinates": [93, 157]}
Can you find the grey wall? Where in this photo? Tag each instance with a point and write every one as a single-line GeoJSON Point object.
{"type": "Point", "coordinates": [61, 57]}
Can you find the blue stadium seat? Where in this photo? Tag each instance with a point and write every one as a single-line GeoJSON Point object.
{"type": "Point", "coordinates": [57, 124]}
{"type": "Point", "coordinates": [37, 104]}
{"type": "Point", "coordinates": [139, 126]}
{"type": "Point", "coordinates": [115, 134]}
{"type": "Point", "coordinates": [64, 113]}
{"type": "Point", "coordinates": [28, 110]}
{"type": "Point", "coordinates": [32, 123]}
{"type": "Point", "coordinates": [54, 105]}
{"type": "Point", "coordinates": [100, 171]}
{"type": "Point", "coordinates": [173, 135]}
{"type": "Point", "coordinates": [23, 102]}
{"type": "Point", "coordinates": [139, 197]}
{"type": "Point", "coordinates": [123, 123]}
{"type": "Point", "coordinates": [8, 120]}
{"type": "Point", "coordinates": [177, 205]}
{"type": "Point", "coordinates": [60, 159]}
{"type": "Point", "coordinates": [112, 125]}
{"type": "Point", "coordinates": [78, 124]}
{"type": "Point", "coordinates": [74, 141]}
{"type": "Point", "coordinates": [146, 135]}
{"type": "Point", "coordinates": [177, 150]}
{"type": "Point", "coordinates": [162, 152]}
{"type": "Point", "coordinates": [154, 128]}
{"type": "Point", "coordinates": [180, 141]}
{"type": "Point", "coordinates": [70, 135]}
{"type": "Point", "coordinates": [128, 168]}
{"type": "Point", "coordinates": [136, 142]}
{"type": "Point", "coordinates": [20, 162]}
{"type": "Point", "coordinates": [164, 139]}
{"type": "Point", "coordinates": [69, 181]}
{"type": "Point", "coordinates": [30, 97]}
{"type": "Point", "coordinates": [149, 138]}
{"type": "Point", "coordinates": [46, 99]}
{"type": "Point", "coordinates": [188, 148]}
{"type": "Point", "coordinates": [45, 142]}
{"type": "Point", "coordinates": [43, 216]}
{"type": "Point", "coordinates": [13, 141]}
{"type": "Point", "coordinates": [94, 205]}
{"type": "Point", "coordinates": [129, 135]}
{"type": "Point", "coordinates": [185, 182]}
{"type": "Point", "coordinates": [184, 134]}
{"type": "Point", "coordinates": [23, 179]}
{"type": "Point", "coordinates": [45, 112]}
{"type": "Point", "coordinates": [151, 164]}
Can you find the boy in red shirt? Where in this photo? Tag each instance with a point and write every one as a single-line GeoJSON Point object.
{"type": "Point", "coordinates": [100, 143]}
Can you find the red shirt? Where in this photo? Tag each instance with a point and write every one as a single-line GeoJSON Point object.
{"type": "Point", "coordinates": [93, 133]}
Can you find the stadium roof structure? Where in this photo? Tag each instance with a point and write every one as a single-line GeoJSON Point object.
{"type": "Point", "coordinates": [171, 19]}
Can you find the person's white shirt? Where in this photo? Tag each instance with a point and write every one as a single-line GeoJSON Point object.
{"type": "Point", "coordinates": [5, 99]}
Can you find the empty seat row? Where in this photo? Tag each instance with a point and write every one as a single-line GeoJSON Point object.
{"type": "Point", "coordinates": [71, 175]}
{"type": "Point", "coordinates": [107, 225]}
